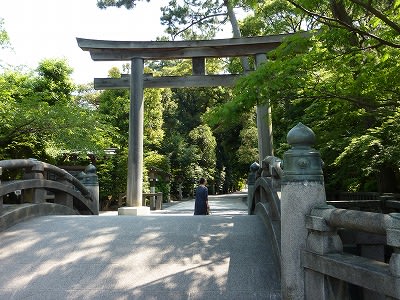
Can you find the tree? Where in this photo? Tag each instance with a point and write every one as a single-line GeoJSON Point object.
{"type": "Point", "coordinates": [193, 19]}
{"type": "Point", "coordinates": [339, 81]}
{"type": "Point", "coordinates": [205, 145]}
{"type": "Point", "coordinates": [201, 20]}
{"type": "Point", "coordinates": [54, 84]}
{"type": "Point", "coordinates": [379, 22]}
{"type": "Point", "coordinates": [275, 17]}
{"type": "Point", "coordinates": [4, 38]}
{"type": "Point", "coordinates": [86, 96]}
{"type": "Point", "coordinates": [128, 4]}
{"type": "Point", "coordinates": [44, 122]}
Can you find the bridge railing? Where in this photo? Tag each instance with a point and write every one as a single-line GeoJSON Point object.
{"type": "Point", "coordinates": [327, 265]}
{"type": "Point", "coordinates": [264, 185]}
{"type": "Point", "coordinates": [68, 190]}
{"type": "Point", "coordinates": [313, 264]}
{"type": "Point", "coordinates": [365, 201]}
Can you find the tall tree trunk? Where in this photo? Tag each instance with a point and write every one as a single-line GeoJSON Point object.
{"type": "Point", "coordinates": [339, 11]}
{"type": "Point", "coordinates": [264, 115]}
{"type": "Point", "coordinates": [387, 180]}
{"type": "Point", "coordinates": [236, 32]}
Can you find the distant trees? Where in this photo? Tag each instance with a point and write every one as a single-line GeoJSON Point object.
{"type": "Point", "coordinates": [118, 3]}
{"type": "Point", "coordinates": [40, 117]}
{"type": "Point", "coordinates": [4, 38]}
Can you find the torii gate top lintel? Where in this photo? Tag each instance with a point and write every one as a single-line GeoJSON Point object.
{"type": "Point", "coordinates": [102, 50]}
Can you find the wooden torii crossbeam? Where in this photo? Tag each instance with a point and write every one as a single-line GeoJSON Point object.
{"type": "Point", "coordinates": [198, 51]}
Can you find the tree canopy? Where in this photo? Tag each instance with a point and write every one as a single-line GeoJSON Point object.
{"type": "Point", "coordinates": [118, 3]}
{"type": "Point", "coordinates": [340, 80]}
{"type": "Point", "coordinates": [40, 117]}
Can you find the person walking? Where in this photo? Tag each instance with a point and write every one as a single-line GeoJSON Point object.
{"type": "Point", "coordinates": [201, 204]}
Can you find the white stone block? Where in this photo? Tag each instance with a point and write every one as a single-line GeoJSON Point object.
{"type": "Point", "coordinates": [134, 211]}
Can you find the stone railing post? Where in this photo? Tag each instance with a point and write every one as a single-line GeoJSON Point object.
{"type": "Point", "coordinates": [36, 195]}
{"type": "Point", "coordinates": [62, 198]}
{"type": "Point", "coordinates": [91, 182]}
{"type": "Point", "coordinates": [39, 195]}
{"type": "Point", "coordinates": [302, 189]}
{"type": "Point", "coordinates": [251, 179]}
{"type": "Point", "coordinates": [393, 239]}
{"type": "Point", "coordinates": [322, 239]}
{"type": "Point", "coordinates": [1, 197]}
{"type": "Point", "coordinates": [159, 201]}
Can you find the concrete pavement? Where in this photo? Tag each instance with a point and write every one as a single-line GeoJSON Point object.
{"type": "Point", "coordinates": [168, 254]}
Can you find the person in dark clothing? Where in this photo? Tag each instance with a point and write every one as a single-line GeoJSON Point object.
{"type": "Point", "coordinates": [201, 204]}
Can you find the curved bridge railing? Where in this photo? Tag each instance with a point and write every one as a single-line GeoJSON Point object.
{"type": "Point", "coordinates": [38, 178]}
{"type": "Point", "coordinates": [264, 198]}
{"type": "Point", "coordinates": [314, 263]}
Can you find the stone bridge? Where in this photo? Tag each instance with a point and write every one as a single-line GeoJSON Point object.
{"type": "Point", "coordinates": [44, 189]}
{"type": "Point", "coordinates": [283, 242]}
{"type": "Point", "coordinates": [169, 254]}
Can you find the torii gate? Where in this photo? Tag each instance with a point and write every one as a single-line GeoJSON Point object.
{"type": "Point", "coordinates": [198, 51]}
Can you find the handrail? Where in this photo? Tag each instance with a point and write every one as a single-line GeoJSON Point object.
{"type": "Point", "coordinates": [263, 199]}
{"type": "Point", "coordinates": [274, 166]}
{"type": "Point", "coordinates": [69, 191]}
{"type": "Point", "coordinates": [266, 185]}
{"type": "Point", "coordinates": [363, 221]}
{"type": "Point", "coordinates": [30, 163]}
{"type": "Point", "coordinates": [324, 253]}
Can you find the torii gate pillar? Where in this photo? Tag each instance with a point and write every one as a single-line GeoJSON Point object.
{"type": "Point", "coordinates": [135, 152]}
{"type": "Point", "coordinates": [264, 121]}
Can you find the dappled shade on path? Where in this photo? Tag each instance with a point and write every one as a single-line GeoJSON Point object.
{"type": "Point", "coordinates": [223, 256]}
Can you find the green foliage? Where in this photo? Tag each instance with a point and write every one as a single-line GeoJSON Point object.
{"type": "Point", "coordinates": [112, 170]}
{"type": "Point", "coordinates": [339, 83]}
{"type": "Point", "coordinates": [248, 149]}
{"type": "Point", "coordinates": [376, 21]}
{"type": "Point", "coordinates": [376, 150]}
{"type": "Point", "coordinates": [153, 119]}
{"type": "Point", "coordinates": [4, 38]}
{"type": "Point", "coordinates": [162, 164]}
{"type": "Point", "coordinates": [193, 19]}
{"type": "Point", "coordinates": [86, 96]}
{"type": "Point", "coordinates": [43, 123]}
{"type": "Point", "coordinates": [128, 4]}
{"type": "Point", "coordinates": [114, 108]}
{"type": "Point", "coordinates": [204, 144]}
{"type": "Point", "coordinates": [54, 84]}
{"type": "Point", "coordinates": [275, 17]}
{"type": "Point", "coordinates": [154, 159]}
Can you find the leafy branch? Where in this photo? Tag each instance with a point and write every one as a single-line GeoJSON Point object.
{"type": "Point", "coordinates": [198, 21]}
{"type": "Point", "coordinates": [333, 21]}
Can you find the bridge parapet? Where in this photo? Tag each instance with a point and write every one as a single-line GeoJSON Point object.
{"type": "Point", "coordinates": [313, 264]}
{"type": "Point", "coordinates": [68, 190]}
{"type": "Point", "coordinates": [304, 228]}
{"type": "Point", "coordinates": [329, 269]}
{"type": "Point", "coordinates": [264, 185]}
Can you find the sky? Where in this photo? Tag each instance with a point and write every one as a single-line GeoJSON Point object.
{"type": "Point", "coordinates": [40, 29]}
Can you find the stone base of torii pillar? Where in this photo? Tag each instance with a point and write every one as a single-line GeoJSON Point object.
{"type": "Point", "coordinates": [134, 211]}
